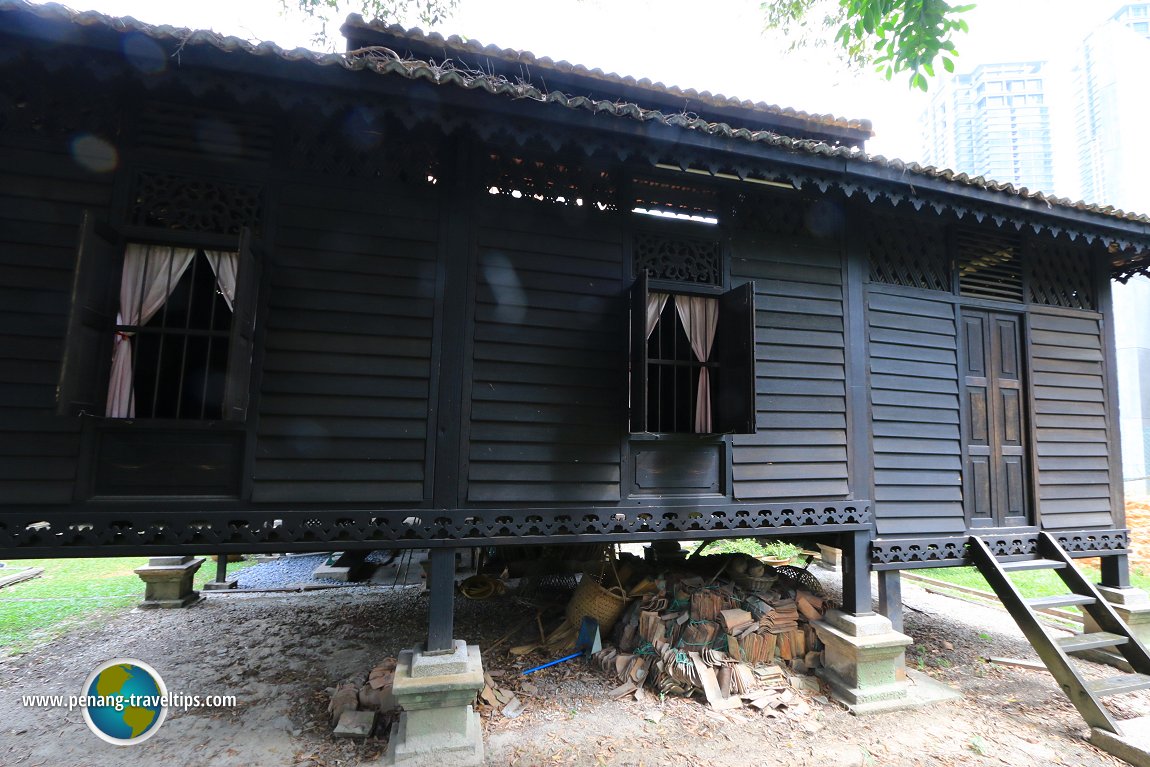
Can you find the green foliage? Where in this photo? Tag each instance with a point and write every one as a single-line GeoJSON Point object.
{"type": "Point", "coordinates": [73, 593]}
{"type": "Point", "coordinates": [892, 35]}
{"type": "Point", "coordinates": [748, 546]}
{"type": "Point", "coordinates": [428, 12]}
{"type": "Point", "coordinates": [780, 549]}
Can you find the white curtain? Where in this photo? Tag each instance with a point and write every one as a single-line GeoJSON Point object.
{"type": "Point", "coordinates": [655, 304]}
{"type": "Point", "coordinates": [224, 265]}
{"type": "Point", "coordinates": [150, 274]}
{"type": "Point", "coordinates": [700, 318]}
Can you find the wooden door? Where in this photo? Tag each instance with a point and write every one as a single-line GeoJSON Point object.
{"type": "Point", "coordinates": [995, 491]}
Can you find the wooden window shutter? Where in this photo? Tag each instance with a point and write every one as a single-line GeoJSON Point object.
{"type": "Point", "coordinates": [735, 344]}
{"type": "Point", "coordinates": [242, 339]}
{"type": "Point", "coordinates": [639, 354]}
{"type": "Point", "coordinates": [83, 382]}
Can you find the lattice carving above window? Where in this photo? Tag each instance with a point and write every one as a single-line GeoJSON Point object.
{"type": "Point", "coordinates": [187, 203]}
{"type": "Point", "coordinates": [551, 181]}
{"type": "Point", "coordinates": [1060, 275]}
{"type": "Point", "coordinates": [908, 253]}
{"type": "Point", "coordinates": [680, 259]}
{"type": "Point", "coordinates": [989, 265]}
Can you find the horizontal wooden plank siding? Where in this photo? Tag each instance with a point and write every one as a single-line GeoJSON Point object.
{"type": "Point", "coordinates": [548, 383]}
{"type": "Point", "coordinates": [43, 196]}
{"type": "Point", "coordinates": [1067, 378]}
{"type": "Point", "coordinates": [346, 379]}
{"type": "Point", "coordinates": [800, 448]}
{"type": "Point", "coordinates": [915, 415]}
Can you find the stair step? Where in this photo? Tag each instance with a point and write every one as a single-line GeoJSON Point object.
{"type": "Point", "coordinates": [1092, 641]}
{"type": "Point", "coordinates": [1117, 685]}
{"type": "Point", "coordinates": [1031, 564]}
{"type": "Point", "coordinates": [1063, 600]}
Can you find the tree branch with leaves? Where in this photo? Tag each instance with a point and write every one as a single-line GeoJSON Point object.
{"type": "Point", "coordinates": [891, 35]}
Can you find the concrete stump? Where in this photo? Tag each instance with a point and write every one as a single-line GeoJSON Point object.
{"type": "Point", "coordinates": [865, 663]}
{"type": "Point", "coordinates": [168, 581]}
{"type": "Point", "coordinates": [439, 726]}
{"type": "Point", "coordinates": [1132, 606]}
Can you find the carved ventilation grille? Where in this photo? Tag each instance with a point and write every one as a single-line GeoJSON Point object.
{"type": "Point", "coordinates": [187, 203]}
{"type": "Point", "coordinates": [1060, 275]}
{"type": "Point", "coordinates": [229, 136]}
{"type": "Point", "coordinates": [550, 181]}
{"type": "Point", "coordinates": [682, 259]}
{"type": "Point", "coordinates": [362, 142]}
{"type": "Point", "coordinates": [675, 196]}
{"type": "Point", "coordinates": [989, 265]}
{"type": "Point", "coordinates": [908, 253]}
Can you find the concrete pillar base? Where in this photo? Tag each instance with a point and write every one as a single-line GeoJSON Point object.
{"type": "Point", "coordinates": [1132, 606]}
{"type": "Point", "coordinates": [865, 663]}
{"type": "Point", "coordinates": [438, 727]}
{"type": "Point", "coordinates": [830, 556]}
{"type": "Point", "coordinates": [230, 583]}
{"type": "Point", "coordinates": [168, 581]}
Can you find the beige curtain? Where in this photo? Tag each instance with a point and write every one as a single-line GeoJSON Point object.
{"type": "Point", "coordinates": [700, 318]}
{"type": "Point", "coordinates": [224, 266]}
{"type": "Point", "coordinates": [655, 304]}
{"type": "Point", "coordinates": [150, 273]}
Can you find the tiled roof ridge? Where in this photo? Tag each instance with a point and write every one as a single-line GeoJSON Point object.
{"type": "Point", "coordinates": [472, 46]}
{"type": "Point", "coordinates": [383, 61]}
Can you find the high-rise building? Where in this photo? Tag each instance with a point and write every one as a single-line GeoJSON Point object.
{"type": "Point", "coordinates": [1111, 110]}
{"type": "Point", "coordinates": [993, 122]}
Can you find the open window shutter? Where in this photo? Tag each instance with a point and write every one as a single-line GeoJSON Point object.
{"type": "Point", "coordinates": [735, 347]}
{"type": "Point", "coordinates": [83, 386]}
{"type": "Point", "coordinates": [639, 354]}
{"type": "Point", "coordinates": [243, 332]}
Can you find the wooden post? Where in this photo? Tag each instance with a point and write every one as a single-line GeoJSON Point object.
{"type": "Point", "coordinates": [856, 573]}
{"type": "Point", "coordinates": [441, 605]}
{"type": "Point", "coordinates": [221, 568]}
{"type": "Point", "coordinates": [1116, 571]}
{"type": "Point", "coordinates": [890, 597]}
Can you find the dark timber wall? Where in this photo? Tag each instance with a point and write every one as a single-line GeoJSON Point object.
{"type": "Point", "coordinates": [43, 194]}
{"type": "Point", "coordinates": [1067, 364]}
{"type": "Point", "coordinates": [550, 334]}
{"type": "Point", "coordinates": [800, 450]}
{"type": "Point", "coordinates": [347, 372]}
{"type": "Point", "coordinates": [915, 415]}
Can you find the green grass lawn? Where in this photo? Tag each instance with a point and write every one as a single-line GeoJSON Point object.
{"type": "Point", "coordinates": [1032, 583]}
{"type": "Point", "coordinates": [72, 592]}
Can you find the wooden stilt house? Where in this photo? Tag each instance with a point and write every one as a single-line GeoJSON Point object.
{"type": "Point", "coordinates": [429, 294]}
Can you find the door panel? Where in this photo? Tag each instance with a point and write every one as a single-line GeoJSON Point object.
{"type": "Point", "coordinates": [994, 431]}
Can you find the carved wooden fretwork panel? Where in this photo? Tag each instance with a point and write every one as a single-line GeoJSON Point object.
{"type": "Point", "coordinates": [896, 553]}
{"type": "Point", "coordinates": [145, 530]}
{"type": "Point", "coordinates": [1060, 275]}
{"type": "Point", "coordinates": [680, 259]}
{"type": "Point", "coordinates": [36, 102]}
{"type": "Point", "coordinates": [908, 253]}
{"type": "Point", "coordinates": [187, 203]}
{"type": "Point", "coordinates": [553, 180]}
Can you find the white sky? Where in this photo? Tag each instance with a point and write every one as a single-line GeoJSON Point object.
{"type": "Point", "coordinates": [716, 45]}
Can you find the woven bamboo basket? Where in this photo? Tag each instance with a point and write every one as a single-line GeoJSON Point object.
{"type": "Point", "coordinates": [593, 599]}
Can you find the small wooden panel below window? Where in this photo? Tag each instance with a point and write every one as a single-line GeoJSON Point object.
{"type": "Point", "coordinates": [130, 462]}
{"type": "Point", "coordinates": [678, 469]}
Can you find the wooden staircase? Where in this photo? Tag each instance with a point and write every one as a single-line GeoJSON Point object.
{"type": "Point", "coordinates": [1056, 652]}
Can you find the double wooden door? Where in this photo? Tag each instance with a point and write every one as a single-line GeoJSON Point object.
{"type": "Point", "coordinates": [996, 492]}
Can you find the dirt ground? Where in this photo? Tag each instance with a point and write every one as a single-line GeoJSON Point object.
{"type": "Point", "coordinates": [278, 652]}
